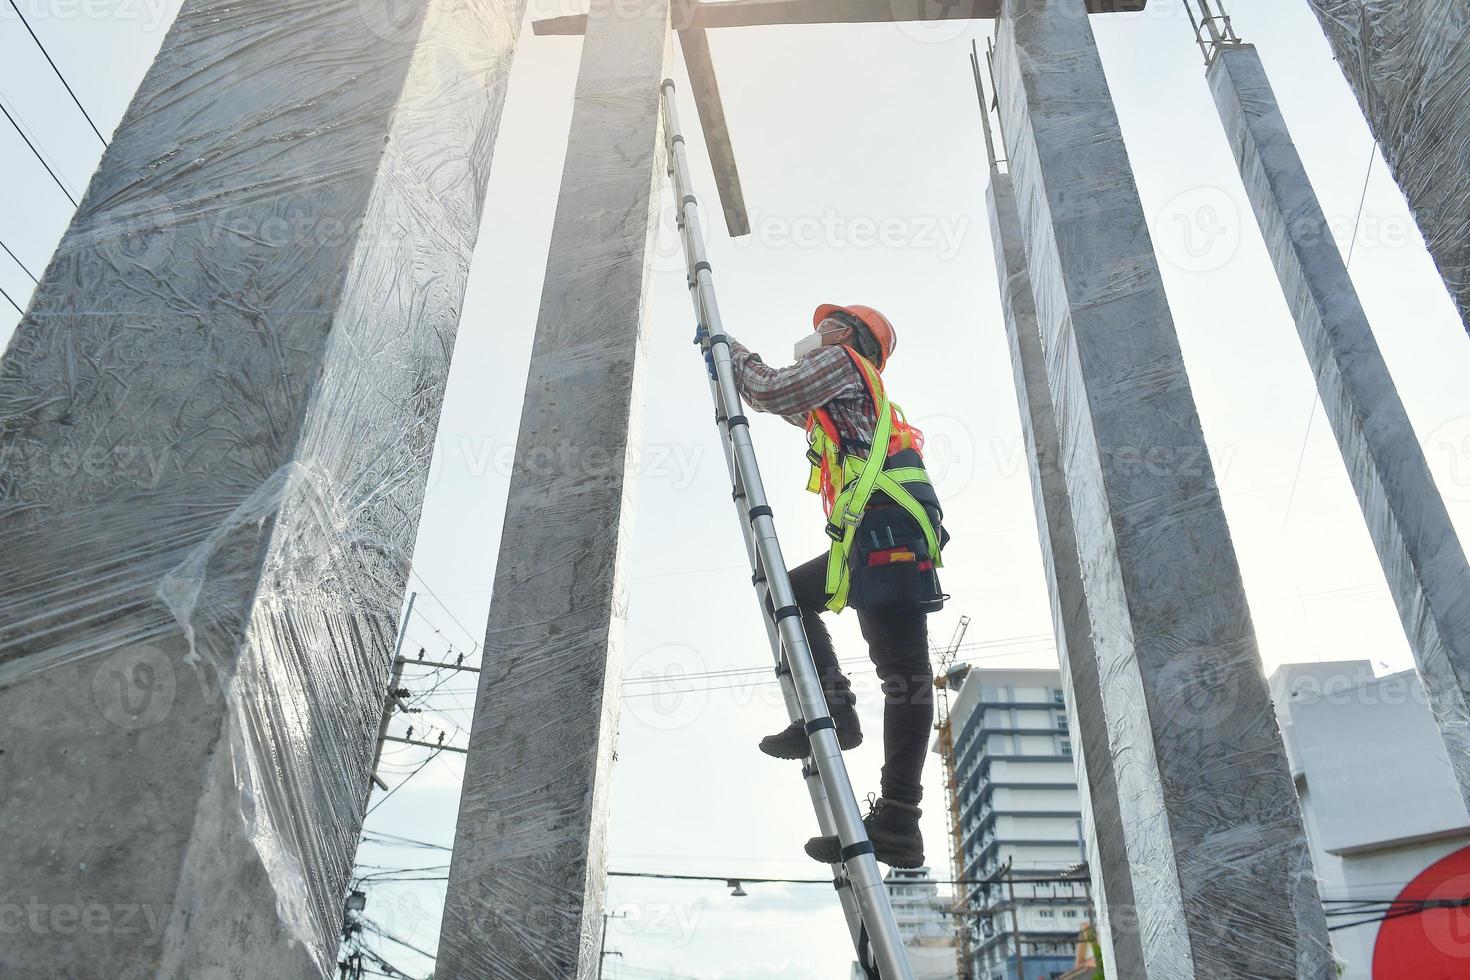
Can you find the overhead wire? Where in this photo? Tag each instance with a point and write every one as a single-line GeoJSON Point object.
{"type": "Point", "coordinates": [37, 152]}
{"type": "Point", "coordinates": [1031, 643]}
{"type": "Point", "coordinates": [398, 839]}
{"type": "Point", "coordinates": [57, 70]}
{"type": "Point", "coordinates": [402, 783]}
{"type": "Point", "coordinates": [449, 612]}
{"type": "Point", "coordinates": [378, 930]}
{"type": "Point", "coordinates": [1317, 395]}
{"type": "Point", "coordinates": [16, 259]}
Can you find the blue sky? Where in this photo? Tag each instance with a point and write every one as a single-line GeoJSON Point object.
{"type": "Point", "coordinates": [863, 166]}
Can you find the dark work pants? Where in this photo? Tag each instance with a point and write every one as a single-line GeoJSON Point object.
{"type": "Point", "coordinates": [898, 645]}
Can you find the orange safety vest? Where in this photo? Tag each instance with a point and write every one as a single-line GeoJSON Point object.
{"type": "Point", "coordinates": [825, 451]}
{"type": "Point", "coordinates": [847, 481]}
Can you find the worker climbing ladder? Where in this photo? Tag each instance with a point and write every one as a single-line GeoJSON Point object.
{"type": "Point", "coordinates": [857, 879]}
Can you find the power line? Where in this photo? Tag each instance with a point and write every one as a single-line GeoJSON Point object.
{"type": "Point", "coordinates": [449, 612]}
{"type": "Point", "coordinates": [752, 676]}
{"type": "Point", "coordinates": [1317, 395]}
{"type": "Point", "coordinates": [38, 155]}
{"type": "Point", "coordinates": [1362, 202]}
{"type": "Point", "coordinates": [406, 841]}
{"type": "Point", "coordinates": [380, 931]}
{"type": "Point", "coordinates": [59, 75]}
{"type": "Point", "coordinates": [18, 262]}
{"type": "Point", "coordinates": [393, 971]}
{"type": "Point", "coordinates": [11, 301]}
{"type": "Point", "coordinates": [744, 879]}
{"type": "Point", "coordinates": [432, 756]}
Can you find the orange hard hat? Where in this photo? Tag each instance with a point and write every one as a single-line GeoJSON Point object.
{"type": "Point", "coordinates": [876, 323]}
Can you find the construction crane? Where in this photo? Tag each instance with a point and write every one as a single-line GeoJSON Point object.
{"type": "Point", "coordinates": [950, 675]}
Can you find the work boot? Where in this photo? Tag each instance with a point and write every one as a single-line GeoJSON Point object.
{"type": "Point", "coordinates": [792, 741]}
{"type": "Point", "coordinates": [893, 827]}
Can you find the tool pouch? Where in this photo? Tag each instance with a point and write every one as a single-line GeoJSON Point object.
{"type": "Point", "coordinates": [890, 568]}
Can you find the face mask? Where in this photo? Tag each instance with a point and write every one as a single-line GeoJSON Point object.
{"type": "Point", "coordinates": [817, 339]}
{"type": "Point", "coordinates": [804, 346]}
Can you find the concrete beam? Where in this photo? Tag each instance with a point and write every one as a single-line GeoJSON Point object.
{"type": "Point", "coordinates": [216, 420]}
{"type": "Point", "coordinates": [527, 877]}
{"type": "Point", "coordinates": [1222, 880]}
{"type": "Point", "coordinates": [706, 88]}
{"type": "Point", "coordinates": [1411, 529]}
{"type": "Point", "coordinates": [1112, 878]}
{"type": "Point", "coordinates": [768, 13]}
{"type": "Point", "coordinates": [1409, 65]}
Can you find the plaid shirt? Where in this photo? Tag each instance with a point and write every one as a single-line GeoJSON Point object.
{"type": "Point", "coordinates": [825, 378]}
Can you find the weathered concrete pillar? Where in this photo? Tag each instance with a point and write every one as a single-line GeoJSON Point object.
{"type": "Point", "coordinates": [1407, 519]}
{"type": "Point", "coordinates": [216, 421]}
{"type": "Point", "coordinates": [1092, 740]}
{"type": "Point", "coordinates": [527, 877]}
{"type": "Point", "coordinates": [1222, 881]}
{"type": "Point", "coordinates": [1409, 64]}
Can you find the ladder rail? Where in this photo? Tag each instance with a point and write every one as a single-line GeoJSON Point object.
{"type": "Point", "coordinates": [861, 876]}
{"type": "Point", "coordinates": [810, 776]}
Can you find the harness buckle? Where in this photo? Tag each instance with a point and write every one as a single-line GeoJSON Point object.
{"type": "Point", "coordinates": [835, 531]}
{"type": "Point", "coordinates": [814, 457]}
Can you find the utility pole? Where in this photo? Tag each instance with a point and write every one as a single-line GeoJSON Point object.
{"type": "Point", "coordinates": [392, 698]}
{"type": "Point", "coordinates": [1015, 922]}
{"type": "Point", "coordinates": [603, 953]}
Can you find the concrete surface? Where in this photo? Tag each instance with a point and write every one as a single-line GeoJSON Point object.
{"type": "Point", "coordinates": [216, 420]}
{"type": "Point", "coordinates": [1221, 876]}
{"type": "Point", "coordinates": [1421, 555]}
{"type": "Point", "coordinates": [527, 876]}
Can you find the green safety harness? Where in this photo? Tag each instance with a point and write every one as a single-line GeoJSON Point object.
{"type": "Point", "coordinates": [854, 479]}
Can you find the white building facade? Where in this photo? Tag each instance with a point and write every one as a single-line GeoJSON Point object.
{"type": "Point", "coordinates": [1019, 809]}
{"type": "Point", "coordinates": [925, 924]}
{"type": "Point", "coordinates": [1381, 809]}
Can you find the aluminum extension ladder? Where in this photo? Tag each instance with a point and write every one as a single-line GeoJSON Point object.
{"type": "Point", "coordinates": [857, 880]}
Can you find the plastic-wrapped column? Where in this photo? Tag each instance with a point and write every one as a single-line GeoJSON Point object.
{"type": "Point", "coordinates": [216, 421]}
{"type": "Point", "coordinates": [1407, 519]}
{"type": "Point", "coordinates": [1409, 64]}
{"type": "Point", "coordinates": [527, 876]}
{"type": "Point", "coordinates": [1222, 879]}
{"type": "Point", "coordinates": [1107, 853]}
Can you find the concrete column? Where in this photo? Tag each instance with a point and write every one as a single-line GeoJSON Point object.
{"type": "Point", "coordinates": [1411, 529]}
{"type": "Point", "coordinates": [1409, 65]}
{"type": "Point", "coordinates": [528, 872]}
{"type": "Point", "coordinates": [1092, 737]}
{"type": "Point", "coordinates": [216, 421]}
{"type": "Point", "coordinates": [1222, 880]}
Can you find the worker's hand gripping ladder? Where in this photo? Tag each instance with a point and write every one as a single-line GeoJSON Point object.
{"type": "Point", "coordinates": [858, 882]}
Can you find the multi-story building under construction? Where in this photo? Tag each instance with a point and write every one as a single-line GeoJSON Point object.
{"type": "Point", "coordinates": [1020, 824]}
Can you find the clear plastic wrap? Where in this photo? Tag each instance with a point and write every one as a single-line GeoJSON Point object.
{"type": "Point", "coordinates": [1409, 63]}
{"type": "Point", "coordinates": [1408, 522]}
{"type": "Point", "coordinates": [1097, 783]}
{"type": "Point", "coordinates": [216, 422]}
{"type": "Point", "coordinates": [527, 878]}
{"type": "Point", "coordinates": [1209, 816]}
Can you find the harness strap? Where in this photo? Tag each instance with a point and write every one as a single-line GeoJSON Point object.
{"type": "Point", "coordinates": [839, 574]}
{"type": "Point", "coordinates": [861, 478]}
{"type": "Point", "coordinates": [848, 510]}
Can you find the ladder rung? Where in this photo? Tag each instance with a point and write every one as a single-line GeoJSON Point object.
{"type": "Point", "coordinates": [859, 884]}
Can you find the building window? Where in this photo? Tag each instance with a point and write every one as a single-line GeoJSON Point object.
{"type": "Point", "coordinates": [1046, 913]}
{"type": "Point", "coordinates": [1070, 913]}
{"type": "Point", "coordinates": [1066, 746]}
{"type": "Point", "coordinates": [1059, 696]}
{"type": "Point", "coordinates": [1061, 722]}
